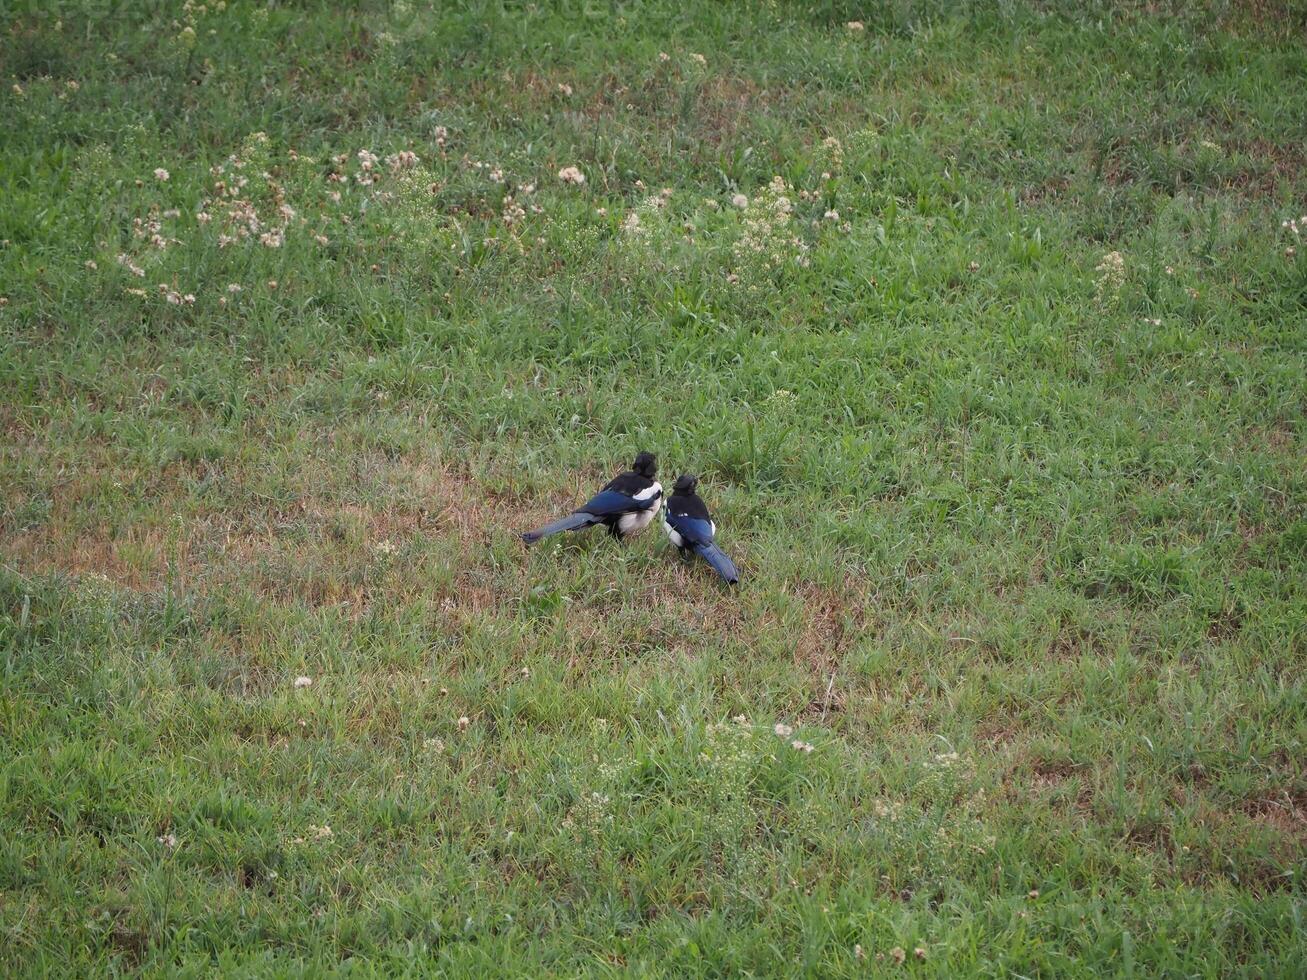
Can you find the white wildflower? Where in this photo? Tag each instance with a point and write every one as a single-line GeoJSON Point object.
{"type": "Point", "coordinates": [1111, 275]}
{"type": "Point", "coordinates": [126, 262]}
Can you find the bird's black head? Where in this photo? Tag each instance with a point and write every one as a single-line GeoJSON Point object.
{"type": "Point", "coordinates": [685, 483]}
{"type": "Point", "coordinates": [646, 464]}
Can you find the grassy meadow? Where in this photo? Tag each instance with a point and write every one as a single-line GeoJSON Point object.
{"type": "Point", "coordinates": [984, 323]}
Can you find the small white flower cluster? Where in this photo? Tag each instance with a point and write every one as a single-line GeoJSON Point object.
{"type": "Point", "coordinates": [367, 167]}
{"type": "Point", "coordinates": [174, 297]}
{"type": "Point", "coordinates": [571, 175]}
{"type": "Point", "coordinates": [126, 262]}
{"type": "Point", "coordinates": [512, 212]}
{"type": "Point", "coordinates": [1111, 275]}
{"type": "Point", "coordinates": [887, 811]}
{"type": "Point", "coordinates": [834, 153]}
{"type": "Point", "coordinates": [768, 239]}
{"type": "Point", "coordinates": [646, 217]}
{"type": "Point", "coordinates": [192, 15]}
{"type": "Point", "coordinates": [250, 211]}
{"type": "Point", "coordinates": [784, 731]}
{"type": "Point", "coordinates": [403, 160]}
{"type": "Point", "coordinates": [314, 833]}
{"type": "Point", "coordinates": [589, 813]}
{"type": "Point", "coordinates": [151, 229]}
{"type": "Point", "coordinates": [1295, 227]}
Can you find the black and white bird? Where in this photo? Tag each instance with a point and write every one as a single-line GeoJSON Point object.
{"type": "Point", "coordinates": [689, 527]}
{"type": "Point", "coordinates": [626, 505]}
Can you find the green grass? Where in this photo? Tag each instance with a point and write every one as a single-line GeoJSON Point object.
{"type": "Point", "coordinates": [1021, 526]}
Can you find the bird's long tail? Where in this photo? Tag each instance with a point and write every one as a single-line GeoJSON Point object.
{"type": "Point", "coordinates": [722, 565]}
{"type": "Point", "coordinates": [572, 522]}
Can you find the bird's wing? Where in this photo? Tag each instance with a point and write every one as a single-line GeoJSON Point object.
{"type": "Point", "coordinates": [609, 502]}
{"type": "Point", "coordinates": [635, 485]}
{"type": "Point", "coordinates": [694, 530]}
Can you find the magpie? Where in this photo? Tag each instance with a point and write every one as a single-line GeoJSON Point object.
{"type": "Point", "coordinates": [689, 527]}
{"type": "Point", "coordinates": [626, 505]}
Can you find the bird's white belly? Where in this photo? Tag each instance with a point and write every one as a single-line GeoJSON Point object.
{"type": "Point", "coordinates": [673, 535]}
{"type": "Point", "coordinates": [637, 521]}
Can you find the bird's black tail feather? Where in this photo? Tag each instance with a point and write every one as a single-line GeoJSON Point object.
{"type": "Point", "coordinates": [572, 522]}
{"type": "Point", "coordinates": [722, 565]}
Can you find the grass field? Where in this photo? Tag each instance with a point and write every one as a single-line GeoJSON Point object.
{"type": "Point", "coordinates": [982, 323]}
